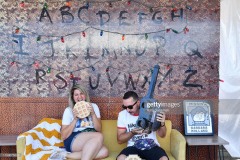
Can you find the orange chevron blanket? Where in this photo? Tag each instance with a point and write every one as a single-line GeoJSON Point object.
{"type": "Point", "coordinates": [42, 140]}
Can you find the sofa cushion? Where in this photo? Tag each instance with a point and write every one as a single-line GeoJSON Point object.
{"type": "Point", "coordinates": [109, 130]}
{"type": "Point", "coordinates": [165, 142]}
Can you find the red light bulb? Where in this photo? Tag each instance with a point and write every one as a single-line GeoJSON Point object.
{"type": "Point", "coordinates": [62, 39]}
{"type": "Point", "coordinates": [22, 4]}
{"type": "Point", "coordinates": [83, 34]}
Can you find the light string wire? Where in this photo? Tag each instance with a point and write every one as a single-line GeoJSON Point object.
{"type": "Point", "coordinates": [110, 66]}
{"type": "Point", "coordinates": [114, 32]}
{"type": "Point", "coordinates": [112, 1]}
{"type": "Point", "coordinates": [104, 30]}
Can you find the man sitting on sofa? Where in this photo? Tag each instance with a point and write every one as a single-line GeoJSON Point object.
{"type": "Point", "coordinates": [144, 145]}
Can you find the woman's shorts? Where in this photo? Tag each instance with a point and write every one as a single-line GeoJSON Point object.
{"type": "Point", "coordinates": [69, 141]}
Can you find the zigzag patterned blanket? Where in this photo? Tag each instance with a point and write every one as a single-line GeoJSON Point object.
{"type": "Point", "coordinates": [42, 140]}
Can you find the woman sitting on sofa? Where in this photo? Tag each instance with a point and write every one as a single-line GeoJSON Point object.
{"type": "Point", "coordinates": [82, 136]}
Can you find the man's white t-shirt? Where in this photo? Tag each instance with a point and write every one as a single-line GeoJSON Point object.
{"type": "Point", "coordinates": [81, 123]}
{"type": "Point", "coordinates": [128, 122]}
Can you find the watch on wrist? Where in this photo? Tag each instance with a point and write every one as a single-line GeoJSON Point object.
{"type": "Point", "coordinates": [162, 125]}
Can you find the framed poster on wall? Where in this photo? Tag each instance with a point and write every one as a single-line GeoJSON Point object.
{"type": "Point", "coordinates": [198, 117]}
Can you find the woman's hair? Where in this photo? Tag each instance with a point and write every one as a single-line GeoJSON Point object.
{"type": "Point", "coordinates": [82, 90]}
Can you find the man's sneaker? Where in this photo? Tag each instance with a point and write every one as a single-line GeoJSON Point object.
{"type": "Point", "coordinates": [58, 155]}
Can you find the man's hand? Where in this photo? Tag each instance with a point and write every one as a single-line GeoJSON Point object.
{"type": "Point", "coordinates": [161, 118]}
{"type": "Point", "coordinates": [137, 131]}
{"type": "Point", "coordinates": [162, 130]}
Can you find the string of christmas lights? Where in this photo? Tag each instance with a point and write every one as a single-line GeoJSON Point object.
{"type": "Point", "coordinates": [101, 31]}
{"type": "Point", "coordinates": [123, 35]}
{"type": "Point", "coordinates": [168, 67]}
{"type": "Point", "coordinates": [36, 64]}
{"type": "Point", "coordinates": [110, 3]}
{"type": "Point", "coordinates": [67, 3]}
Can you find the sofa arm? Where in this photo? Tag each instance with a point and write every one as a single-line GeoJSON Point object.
{"type": "Point", "coordinates": [178, 145]}
{"type": "Point", "coordinates": [21, 144]}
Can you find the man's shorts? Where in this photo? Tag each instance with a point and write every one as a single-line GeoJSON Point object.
{"type": "Point", "coordinates": [154, 153]}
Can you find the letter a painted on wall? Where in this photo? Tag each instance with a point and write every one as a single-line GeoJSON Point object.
{"type": "Point", "coordinates": [44, 10]}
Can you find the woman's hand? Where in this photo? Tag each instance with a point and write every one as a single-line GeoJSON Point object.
{"type": "Point", "coordinates": [90, 108]}
{"type": "Point", "coordinates": [75, 113]}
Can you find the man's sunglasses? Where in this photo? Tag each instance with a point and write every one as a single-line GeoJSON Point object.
{"type": "Point", "coordinates": [129, 107]}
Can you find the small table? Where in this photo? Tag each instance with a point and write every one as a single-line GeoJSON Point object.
{"type": "Point", "coordinates": [206, 141]}
{"type": "Point", "coordinates": [8, 140]}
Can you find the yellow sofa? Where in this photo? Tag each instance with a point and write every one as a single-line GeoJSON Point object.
{"type": "Point", "coordinates": [174, 143]}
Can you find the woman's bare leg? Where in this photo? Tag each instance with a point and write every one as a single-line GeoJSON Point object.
{"type": "Point", "coordinates": [121, 157]}
{"type": "Point", "coordinates": [103, 153]}
{"type": "Point", "coordinates": [89, 143]}
{"type": "Point", "coordinates": [92, 147]}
